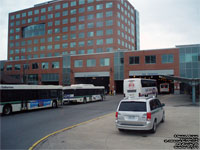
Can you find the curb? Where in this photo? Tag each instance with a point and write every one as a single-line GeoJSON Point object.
{"type": "Point", "coordinates": [62, 130]}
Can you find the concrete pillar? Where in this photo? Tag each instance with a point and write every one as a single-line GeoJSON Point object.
{"type": "Point", "coordinates": [193, 94]}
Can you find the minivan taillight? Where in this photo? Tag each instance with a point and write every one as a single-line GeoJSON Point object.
{"type": "Point", "coordinates": [140, 94]}
{"type": "Point", "coordinates": [116, 115]}
{"type": "Point", "coordinates": [149, 116]}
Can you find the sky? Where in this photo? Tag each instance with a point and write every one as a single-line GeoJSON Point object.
{"type": "Point", "coordinates": [163, 23]}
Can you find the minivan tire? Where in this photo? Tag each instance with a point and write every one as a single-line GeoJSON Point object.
{"type": "Point", "coordinates": [153, 130]}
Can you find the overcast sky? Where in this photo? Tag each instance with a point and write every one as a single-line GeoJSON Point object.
{"type": "Point", "coordinates": [163, 23]}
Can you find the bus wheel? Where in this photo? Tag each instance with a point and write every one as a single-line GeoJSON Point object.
{"type": "Point", "coordinates": [54, 104]}
{"type": "Point", "coordinates": [7, 110]}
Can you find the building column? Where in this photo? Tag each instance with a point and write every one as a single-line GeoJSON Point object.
{"type": "Point", "coordinates": [176, 87]}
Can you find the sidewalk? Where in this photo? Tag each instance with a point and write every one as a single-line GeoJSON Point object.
{"type": "Point", "coordinates": [102, 133]}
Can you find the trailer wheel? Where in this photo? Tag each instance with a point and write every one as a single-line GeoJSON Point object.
{"type": "Point", "coordinates": [7, 109]}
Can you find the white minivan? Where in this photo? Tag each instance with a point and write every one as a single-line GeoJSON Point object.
{"type": "Point", "coordinates": [139, 114]}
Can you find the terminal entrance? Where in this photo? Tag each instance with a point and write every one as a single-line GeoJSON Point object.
{"type": "Point", "coordinates": [97, 81]}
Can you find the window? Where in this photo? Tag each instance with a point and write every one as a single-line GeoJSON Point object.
{"type": "Point", "coordinates": [109, 41]}
{"type": "Point", "coordinates": [90, 43]}
{"type": "Point", "coordinates": [73, 11]}
{"type": "Point", "coordinates": [104, 61]}
{"type": "Point", "coordinates": [34, 65]}
{"type": "Point", "coordinates": [81, 52]}
{"type": "Point", "coordinates": [64, 45]}
{"type": "Point", "coordinates": [109, 13]}
{"type": "Point", "coordinates": [81, 2]}
{"type": "Point", "coordinates": [109, 5]}
{"type": "Point", "coordinates": [90, 34]}
{"type": "Point", "coordinates": [57, 7]}
{"type": "Point", "coordinates": [81, 18]}
{"type": "Point", "coordinates": [133, 106]}
{"type": "Point", "coordinates": [81, 35]}
{"type": "Point", "coordinates": [99, 6]}
{"type": "Point", "coordinates": [167, 58]}
{"type": "Point", "coordinates": [150, 59]}
{"type": "Point", "coordinates": [90, 51]}
{"type": "Point", "coordinates": [90, 25]}
{"type": "Point", "coordinates": [99, 42]}
{"type": "Point", "coordinates": [73, 28]}
{"type": "Point", "coordinates": [109, 22]}
{"type": "Point", "coordinates": [90, 8]}
{"type": "Point", "coordinates": [134, 60]}
{"type": "Point", "coordinates": [17, 67]}
{"type": "Point", "coordinates": [99, 33]}
{"type": "Point", "coordinates": [73, 3]}
{"type": "Point", "coordinates": [78, 63]}
{"type": "Point", "coordinates": [9, 67]}
{"type": "Point", "coordinates": [99, 15]}
{"type": "Point", "coordinates": [65, 5]}
{"type": "Point", "coordinates": [91, 63]}
{"type": "Point", "coordinates": [99, 24]}
{"type": "Point", "coordinates": [55, 65]}
{"type": "Point", "coordinates": [45, 65]}
{"type": "Point", "coordinates": [81, 10]}
{"type": "Point", "coordinates": [109, 31]}
{"type": "Point", "coordinates": [33, 30]}
{"type": "Point", "coordinates": [90, 17]}
{"type": "Point", "coordinates": [72, 20]}
{"type": "Point", "coordinates": [81, 26]}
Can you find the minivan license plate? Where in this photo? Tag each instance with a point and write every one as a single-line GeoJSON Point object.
{"type": "Point", "coordinates": [133, 118]}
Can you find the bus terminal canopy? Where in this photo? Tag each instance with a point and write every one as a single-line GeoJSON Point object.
{"type": "Point", "coordinates": [191, 81]}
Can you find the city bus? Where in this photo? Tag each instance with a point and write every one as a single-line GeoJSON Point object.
{"type": "Point", "coordinates": [164, 88]}
{"type": "Point", "coordinates": [137, 87]}
{"type": "Point", "coordinates": [28, 97]}
{"type": "Point", "coordinates": [83, 93]}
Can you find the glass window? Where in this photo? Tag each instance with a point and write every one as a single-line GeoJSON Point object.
{"type": "Point", "coordinates": [81, 52]}
{"type": "Point", "coordinates": [104, 61]}
{"type": "Point", "coordinates": [73, 36]}
{"type": "Point", "coordinates": [90, 1]}
{"type": "Point", "coordinates": [81, 2]}
{"type": "Point", "coordinates": [99, 42]}
{"type": "Point", "coordinates": [73, 3]}
{"type": "Point", "coordinates": [57, 46]}
{"type": "Point", "coordinates": [99, 6]}
{"type": "Point", "coordinates": [109, 41]}
{"type": "Point", "coordinates": [90, 25]}
{"type": "Point", "coordinates": [81, 18]}
{"type": "Point", "coordinates": [99, 33]}
{"type": "Point", "coordinates": [65, 13]}
{"type": "Point", "coordinates": [90, 51]}
{"type": "Point", "coordinates": [73, 11]}
{"type": "Point", "coordinates": [109, 22]}
{"type": "Point", "coordinates": [99, 15]}
{"type": "Point", "coordinates": [109, 13]}
{"type": "Point", "coordinates": [91, 63]}
{"type": "Point", "coordinates": [109, 5]}
{"type": "Point", "coordinates": [99, 50]}
{"type": "Point", "coordinates": [73, 44]}
{"type": "Point", "coordinates": [64, 29]}
{"type": "Point", "coordinates": [78, 63]}
{"type": "Point", "coordinates": [81, 26]}
{"type": "Point", "coordinates": [35, 66]}
{"type": "Point", "coordinates": [57, 15]}
{"type": "Point", "coordinates": [99, 24]}
{"type": "Point", "coordinates": [45, 65]}
{"type": "Point", "coordinates": [33, 30]}
{"type": "Point", "coordinates": [72, 20]}
{"type": "Point", "coordinates": [90, 17]}
{"type": "Point", "coordinates": [73, 28]}
{"type": "Point", "coordinates": [64, 45]}
{"type": "Point", "coordinates": [17, 67]}
{"type": "Point", "coordinates": [150, 59]}
{"type": "Point", "coordinates": [81, 43]}
{"type": "Point", "coordinates": [65, 5]}
{"type": "Point", "coordinates": [134, 60]}
{"type": "Point", "coordinates": [49, 47]}
{"type": "Point", "coordinates": [9, 67]}
{"type": "Point", "coordinates": [90, 42]}
{"type": "Point", "coordinates": [90, 34]}
{"type": "Point", "coordinates": [167, 58]}
{"type": "Point", "coordinates": [55, 65]}
{"type": "Point", "coordinates": [57, 7]}
{"type": "Point", "coordinates": [90, 8]}
{"type": "Point", "coordinates": [109, 31]}
{"type": "Point", "coordinates": [81, 10]}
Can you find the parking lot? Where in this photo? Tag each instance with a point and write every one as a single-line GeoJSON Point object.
{"type": "Point", "coordinates": [182, 119]}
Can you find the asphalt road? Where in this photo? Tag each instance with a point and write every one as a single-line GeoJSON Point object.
{"type": "Point", "coordinates": [22, 130]}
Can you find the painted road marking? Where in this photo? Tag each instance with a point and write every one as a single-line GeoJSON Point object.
{"type": "Point", "coordinates": [62, 130]}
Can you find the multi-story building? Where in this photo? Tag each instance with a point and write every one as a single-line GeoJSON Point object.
{"type": "Point", "coordinates": [61, 27]}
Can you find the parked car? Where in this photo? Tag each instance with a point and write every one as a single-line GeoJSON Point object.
{"type": "Point", "coordinates": [139, 114]}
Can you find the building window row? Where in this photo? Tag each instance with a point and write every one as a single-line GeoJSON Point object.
{"type": "Point", "coordinates": [44, 65]}
{"type": "Point", "coordinates": [92, 62]}
{"type": "Point", "coordinates": [151, 59]}
{"type": "Point", "coordinates": [59, 6]}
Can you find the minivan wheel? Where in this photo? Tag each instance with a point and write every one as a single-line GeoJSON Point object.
{"type": "Point", "coordinates": [153, 130]}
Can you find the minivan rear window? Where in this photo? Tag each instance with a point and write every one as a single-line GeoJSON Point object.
{"type": "Point", "coordinates": [133, 106]}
